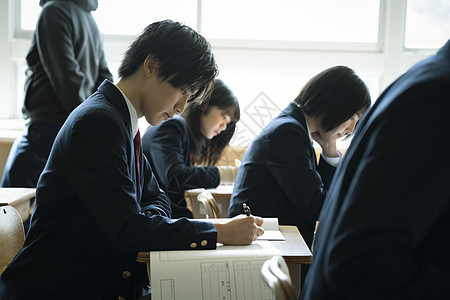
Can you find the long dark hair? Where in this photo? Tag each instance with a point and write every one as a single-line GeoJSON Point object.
{"type": "Point", "coordinates": [208, 152]}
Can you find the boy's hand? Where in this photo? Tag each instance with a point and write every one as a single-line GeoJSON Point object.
{"type": "Point", "coordinates": [240, 230]}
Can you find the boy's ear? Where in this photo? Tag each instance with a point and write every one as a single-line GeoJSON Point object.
{"type": "Point", "coordinates": [204, 106]}
{"type": "Point", "coordinates": [151, 65]}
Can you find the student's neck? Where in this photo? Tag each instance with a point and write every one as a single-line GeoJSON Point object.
{"type": "Point", "coordinates": [130, 89]}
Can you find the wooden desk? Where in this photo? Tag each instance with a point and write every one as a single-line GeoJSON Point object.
{"type": "Point", "coordinates": [19, 198]}
{"type": "Point", "coordinates": [221, 194]}
{"type": "Point", "coordinates": [294, 250]}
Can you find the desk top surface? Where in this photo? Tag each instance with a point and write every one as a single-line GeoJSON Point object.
{"type": "Point", "coordinates": [225, 189]}
{"type": "Point", "coordinates": [12, 196]}
{"type": "Point", "coordinates": [293, 249]}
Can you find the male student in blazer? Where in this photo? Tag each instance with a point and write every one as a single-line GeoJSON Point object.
{"type": "Point", "coordinates": [93, 213]}
{"type": "Point", "coordinates": [385, 226]}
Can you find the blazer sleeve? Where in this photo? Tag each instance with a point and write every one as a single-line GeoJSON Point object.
{"type": "Point", "coordinates": [326, 172]}
{"type": "Point", "coordinates": [57, 53]}
{"type": "Point", "coordinates": [98, 161]}
{"type": "Point", "coordinates": [168, 149]}
{"type": "Point", "coordinates": [291, 160]}
{"type": "Point", "coordinates": [153, 199]}
{"type": "Point", "coordinates": [393, 224]}
{"type": "Point", "coordinates": [57, 46]}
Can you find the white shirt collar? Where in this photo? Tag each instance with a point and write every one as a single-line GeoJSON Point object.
{"type": "Point", "coordinates": [133, 114]}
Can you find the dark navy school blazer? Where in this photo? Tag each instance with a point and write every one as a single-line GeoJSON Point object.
{"type": "Point", "coordinates": [384, 230]}
{"type": "Point", "coordinates": [279, 176]}
{"type": "Point", "coordinates": [87, 226]}
{"type": "Point", "coordinates": [167, 147]}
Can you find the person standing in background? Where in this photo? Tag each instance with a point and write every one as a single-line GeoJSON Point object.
{"type": "Point", "coordinates": [66, 64]}
{"type": "Point", "coordinates": [183, 151]}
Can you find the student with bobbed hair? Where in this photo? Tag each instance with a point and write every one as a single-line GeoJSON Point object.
{"type": "Point", "coordinates": [183, 151]}
{"type": "Point", "coordinates": [279, 175]}
{"type": "Point", "coordinates": [97, 201]}
{"type": "Point", "coordinates": [385, 225]}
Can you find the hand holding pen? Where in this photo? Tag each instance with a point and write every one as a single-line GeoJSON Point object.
{"type": "Point", "coordinates": [240, 230]}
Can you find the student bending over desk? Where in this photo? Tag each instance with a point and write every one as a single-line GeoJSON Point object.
{"type": "Point", "coordinates": [279, 175]}
{"type": "Point", "coordinates": [95, 206]}
{"type": "Point", "coordinates": [183, 151]}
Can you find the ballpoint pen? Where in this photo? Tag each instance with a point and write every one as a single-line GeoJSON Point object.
{"type": "Point", "coordinates": [246, 209]}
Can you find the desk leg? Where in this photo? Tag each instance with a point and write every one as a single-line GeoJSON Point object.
{"type": "Point", "coordinates": [294, 271]}
{"type": "Point", "coordinates": [148, 273]}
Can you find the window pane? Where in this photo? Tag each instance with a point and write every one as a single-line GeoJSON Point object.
{"type": "Point", "coordinates": [427, 23]}
{"type": "Point", "coordinates": [29, 13]}
{"type": "Point", "coordinates": [295, 20]}
{"type": "Point", "coordinates": [131, 17]}
{"type": "Point", "coordinates": [125, 17]}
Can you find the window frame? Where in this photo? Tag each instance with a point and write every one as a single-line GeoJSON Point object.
{"type": "Point", "coordinates": [387, 57]}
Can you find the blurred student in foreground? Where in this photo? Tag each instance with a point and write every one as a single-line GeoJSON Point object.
{"type": "Point", "coordinates": [183, 150]}
{"type": "Point", "coordinates": [385, 226]}
{"type": "Point", "coordinates": [97, 201]}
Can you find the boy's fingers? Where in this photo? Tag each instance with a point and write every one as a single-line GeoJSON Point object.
{"type": "Point", "coordinates": [258, 220]}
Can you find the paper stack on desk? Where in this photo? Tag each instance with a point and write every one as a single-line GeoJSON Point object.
{"type": "Point", "coordinates": [229, 272]}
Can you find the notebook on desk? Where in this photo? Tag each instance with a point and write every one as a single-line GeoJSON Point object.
{"type": "Point", "coordinates": [270, 225]}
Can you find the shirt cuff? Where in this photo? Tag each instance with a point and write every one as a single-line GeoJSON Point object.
{"type": "Point", "coordinates": [333, 161]}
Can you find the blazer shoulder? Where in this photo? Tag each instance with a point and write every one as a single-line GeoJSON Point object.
{"type": "Point", "coordinates": [174, 126]}
{"type": "Point", "coordinates": [285, 126]}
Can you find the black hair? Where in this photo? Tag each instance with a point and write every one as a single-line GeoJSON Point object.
{"type": "Point", "coordinates": [205, 151]}
{"type": "Point", "coordinates": [334, 95]}
{"type": "Point", "coordinates": [185, 57]}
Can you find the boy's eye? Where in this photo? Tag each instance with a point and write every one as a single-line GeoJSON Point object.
{"type": "Point", "coordinates": [183, 91]}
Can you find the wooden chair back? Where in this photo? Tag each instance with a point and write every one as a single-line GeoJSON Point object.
{"type": "Point", "coordinates": [12, 235]}
{"type": "Point", "coordinates": [276, 274]}
{"type": "Point", "coordinates": [212, 209]}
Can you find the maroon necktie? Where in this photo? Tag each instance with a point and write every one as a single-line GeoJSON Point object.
{"type": "Point", "coordinates": [137, 148]}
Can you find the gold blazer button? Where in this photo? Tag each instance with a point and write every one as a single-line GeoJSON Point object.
{"type": "Point", "coordinates": [126, 274]}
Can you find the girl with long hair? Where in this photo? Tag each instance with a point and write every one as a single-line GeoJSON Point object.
{"type": "Point", "coordinates": [184, 150]}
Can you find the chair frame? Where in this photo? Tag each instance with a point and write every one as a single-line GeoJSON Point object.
{"type": "Point", "coordinates": [212, 209]}
{"type": "Point", "coordinates": [12, 235]}
{"type": "Point", "coordinates": [276, 274]}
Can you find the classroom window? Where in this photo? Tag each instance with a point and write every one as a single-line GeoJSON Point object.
{"type": "Point", "coordinates": [427, 23]}
{"type": "Point", "coordinates": [266, 49]}
{"type": "Point", "coordinates": [112, 18]}
{"type": "Point", "coordinates": [292, 20]}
